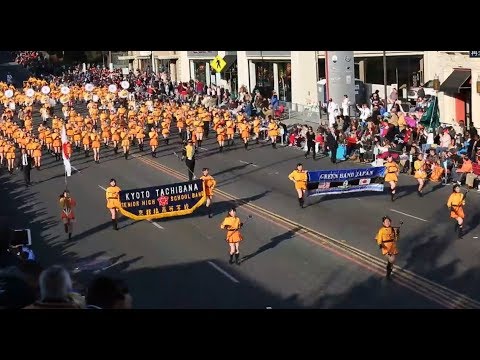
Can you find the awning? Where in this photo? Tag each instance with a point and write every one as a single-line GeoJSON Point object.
{"type": "Point", "coordinates": [138, 57]}
{"type": "Point", "coordinates": [456, 81]}
{"type": "Point", "coordinates": [230, 60]}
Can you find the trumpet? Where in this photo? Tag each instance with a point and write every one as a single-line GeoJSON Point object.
{"type": "Point", "coordinates": [396, 231]}
{"type": "Point", "coordinates": [65, 204]}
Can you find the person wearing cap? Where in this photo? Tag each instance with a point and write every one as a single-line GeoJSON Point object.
{"type": "Point", "coordinates": [67, 203]}
{"type": "Point", "coordinates": [386, 239]}
{"type": "Point", "coordinates": [391, 176]}
{"type": "Point", "coordinates": [189, 153]}
{"type": "Point", "coordinates": [455, 203]}
{"type": "Point", "coordinates": [299, 177]}
{"type": "Point", "coordinates": [113, 201]}
{"type": "Point", "coordinates": [209, 184]}
{"type": "Point", "coordinates": [420, 173]}
{"type": "Point", "coordinates": [233, 224]}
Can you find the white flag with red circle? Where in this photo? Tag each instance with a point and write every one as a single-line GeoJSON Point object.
{"type": "Point", "coordinates": [65, 155]}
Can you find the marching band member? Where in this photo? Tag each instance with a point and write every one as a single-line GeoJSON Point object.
{"type": "Point", "coordinates": [233, 224]}
{"type": "Point", "coordinates": [299, 177]}
{"type": "Point", "coordinates": [153, 135]}
{"type": "Point", "coordinates": [95, 147]}
{"type": "Point", "coordinates": [392, 175]}
{"type": "Point", "coordinates": [113, 201]}
{"type": "Point", "coordinates": [455, 203]}
{"type": "Point", "coordinates": [273, 132]}
{"type": "Point", "coordinates": [209, 184]}
{"type": "Point", "coordinates": [221, 135]}
{"type": "Point", "coordinates": [230, 126]}
{"type": "Point", "coordinates": [386, 239]}
{"type": "Point", "coordinates": [420, 173]}
{"type": "Point", "coordinates": [67, 203]}
{"type": "Point", "coordinates": [125, 143]}
{"type": "Point", "coordinates": [244, 128]}
{"type": "Point", "coordinates": [190, 159]}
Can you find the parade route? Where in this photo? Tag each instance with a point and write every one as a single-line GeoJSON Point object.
{"type": "Point", "coordinates": [322, 256]}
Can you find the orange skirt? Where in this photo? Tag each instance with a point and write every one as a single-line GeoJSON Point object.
{"type": "Point", "coordinates": [234, 237]}
{"type": "Point", "coordinates": [458, 213]}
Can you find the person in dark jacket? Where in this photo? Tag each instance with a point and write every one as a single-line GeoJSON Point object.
{"type": "Point", "coordinates": [332, 144]}
{"type": "Point", "coordinates": [310, 138]}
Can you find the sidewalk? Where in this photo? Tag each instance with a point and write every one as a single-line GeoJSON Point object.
{"type": "Point", "coordinates": [304, 117]}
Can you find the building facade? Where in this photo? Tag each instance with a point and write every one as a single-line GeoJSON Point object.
{"type": "Point", "coordinates": [456, 99]}
{"type": "Point", "coordinates": [295, 75]}
{"type": "Point", "coordinates": [157, 61]}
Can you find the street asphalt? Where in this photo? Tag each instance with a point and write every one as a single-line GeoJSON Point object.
{"type": "Point", "coordinates": [183, 262]}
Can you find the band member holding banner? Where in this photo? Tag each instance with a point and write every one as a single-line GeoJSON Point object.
{"type": "Point", "coordinates": [209, 184]}
{"type": "Point", "coordinates": [392, 175]}
{"type": "Point", "coordinates": [386, 239]}
{"type": "Point", "coordinates": [420, 173]}
{"type": "Point", "coordinates": [455, 204]}
{"type": "Point", "coordinates": [233, 224]}
{"type": "Point", "coordinates": [300, 178]}
{"type": "Point", "coordinates": [113, 201]}
{"type": "Point", "coordinates": [67, 203]}
{"type": "Point", "coordinates": [190, 159]}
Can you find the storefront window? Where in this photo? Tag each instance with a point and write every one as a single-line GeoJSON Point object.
{"type": "Point", "coordinates": [264, 74]}
{"type": "Point", "coordinates": [200, 71]}
{"type": "Point", "coordinates": [285, 81]}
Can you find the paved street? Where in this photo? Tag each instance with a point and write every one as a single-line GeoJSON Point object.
{"type": "Point", "coordinates": [323, 256]}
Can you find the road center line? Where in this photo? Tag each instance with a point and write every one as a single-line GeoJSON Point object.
{"type": "Point", "coordinates": [399, 212]}
{"type": "Point", "coordinates": [157, 225]}
{"type": "Point", "coordinates": [248, 163]}
{"type": "Point", "coordinates": [223, 272]}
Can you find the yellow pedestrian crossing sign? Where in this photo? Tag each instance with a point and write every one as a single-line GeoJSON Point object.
{"type": "Point", "coordinates": [218, 63]}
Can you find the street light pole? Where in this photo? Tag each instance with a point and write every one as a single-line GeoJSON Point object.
{"type": "Point", "coordinates": [385, 77]}
{"type": "Point", "coordinates": [153, 63]}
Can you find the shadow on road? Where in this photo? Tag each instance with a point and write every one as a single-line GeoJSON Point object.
{"type": "Point", "coordinates": [273, 243]}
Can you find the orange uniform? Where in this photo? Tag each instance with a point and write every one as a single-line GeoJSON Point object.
{"type": "Point", "coordinates": [391, 171]}
{"type": "Point", "coordinates": [455, 203]}
{"type": "Point", "coordinates": [300, 178]}
{"type": "Point", "coordinates": [209, 184]}
{"type": "Point", "coordinates": [420, 172]}
{"type": "Point", "coordinates": [232, 225]}
{"type": "Point", "coordinates": [112, 195]}
{"type": "Point", "coordinates": [386, 238]}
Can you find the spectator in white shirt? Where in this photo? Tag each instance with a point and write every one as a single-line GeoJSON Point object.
{"type": "Point", "coordinates": [332, 110]}
{"type": "Point", "coordinates": [365, 112]}
{"type": "Point", "coordinates": [346, 106]}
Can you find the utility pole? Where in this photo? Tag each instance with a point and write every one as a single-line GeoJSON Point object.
{"type": "Point", "coordinates": [385, 77]}
{"type": "Point", "coordinates": [153, 63]}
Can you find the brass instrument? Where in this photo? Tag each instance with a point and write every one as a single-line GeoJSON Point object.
{"type": "Point", "coordinates": [65, 204]}
{"type": "Point", "coordinates": [396, 231]}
